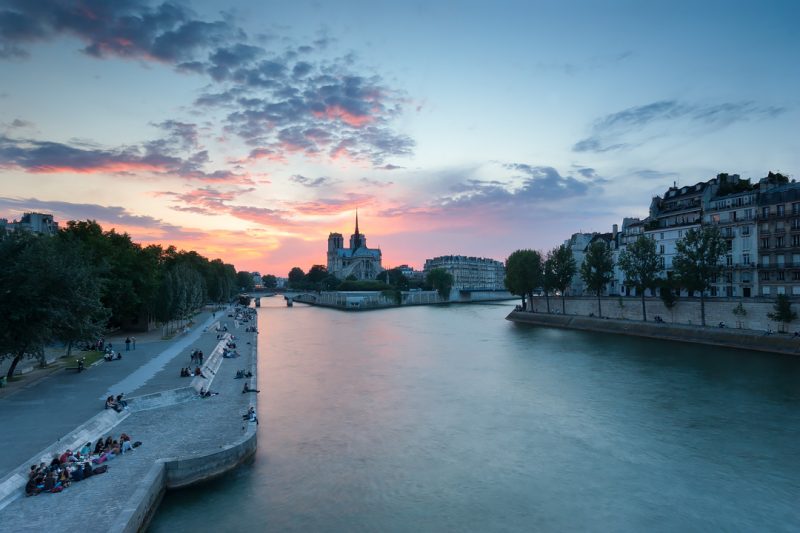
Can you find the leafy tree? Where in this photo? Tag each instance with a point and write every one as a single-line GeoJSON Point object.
{"type": "Point", "coordinates": [639, 262]}
{"type": "Point", "coordinates": [442, 281]}
{"type": "Point", "coordinates": [667, 293]}
{"type": "Point", "coordinates": [698, 260]}
{"type": "Point", "coordinates": [395, 278]}
{"type": "Point", "coordinates": [597, 269]}
{"type": "Point", "coordinates": [524, 274]}
{"type": "Point", "coordinates": [783, 311]}
{"type": "Point", "coordinates": [44, 293]}
{"type": "Point", "coordinates": [330, 283]}
{"type": "Point", "coordinates": [548, 278]}
{"type": "Point", "coordinates": [563, 266]}
{"type": "Point", "coordinates": [316, 274]}
{"type": "Point", "coordinates": [244, 280]}
{"type": "Point", "coordinates": [269, 281]}
{"type": "Point", "coordinates": [296, 277]}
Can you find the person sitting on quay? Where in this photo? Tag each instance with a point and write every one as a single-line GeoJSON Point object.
{"type": "Point", "coordinates": [120, 401]}
{"type": "Point", "coordinates": [251, 415]}
{"type": "Point", "coordinates": [207, 393]}
{"type": "Point", "coordinates": [248, 389]}
{"type": "Point", "coordinates": [111, 404]}
{"type": "Point", "coordinates": [199, 372]}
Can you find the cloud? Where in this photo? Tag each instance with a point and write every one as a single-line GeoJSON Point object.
{"type": "Point", "coordinates": [114, 215]}
{"type": "Point", "coordinates": [280, 101]}
{"type": "Point", "coordinates": [333, 206]}
{"type": "Point", "coordinates": [633, 126]}
{"type": "Point", "coordinates": [389, 166]}
{"type": "Point", "coordinates": [376, 183]}
{"type": "Point", "coordinates": [159, 156]}
{"type": "Point", "coordinates": [311, 182]}
{"type": "Point", "coordinates": [123, 28]}
{"type": "Point", "coordinates": [649, 174]}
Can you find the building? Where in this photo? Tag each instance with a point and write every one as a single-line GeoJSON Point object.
{"type": "Point", "coordinates": [733, 211]}
{"type": "Point", "coordinates": [778, 237]}
{"type": "Point", "coordinates": [577, 244]}
{"type": "Point", "coordinates": [470, 273]}
{"type": "Point", "coordinates": [40, 223]}
{"type": "Point", "coordinates": [358, 260]}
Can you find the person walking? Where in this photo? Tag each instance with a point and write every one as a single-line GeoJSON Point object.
{"type": "Point", "coordinates": [133, 340]}
{"type": "Point", "coordinates": [127, 344]}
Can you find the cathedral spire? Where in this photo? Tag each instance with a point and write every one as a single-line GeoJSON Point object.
{"type": "Point", "coordinates": [356, 221]}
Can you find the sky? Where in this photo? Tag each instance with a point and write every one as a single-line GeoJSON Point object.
{"type": "Point", "coordinates": [249, 130]}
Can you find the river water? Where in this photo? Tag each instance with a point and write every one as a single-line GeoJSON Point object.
{"type": "Point", "coordinates": [454, 419]}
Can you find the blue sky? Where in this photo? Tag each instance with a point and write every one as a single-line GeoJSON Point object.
{"type": "Point", "coordinates": [252, 129]}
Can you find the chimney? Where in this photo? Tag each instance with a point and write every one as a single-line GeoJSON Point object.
{"type": "Point", "coordinates": [614, 230]}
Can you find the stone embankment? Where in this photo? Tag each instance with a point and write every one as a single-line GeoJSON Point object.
{"type": "Point", "coordinates": [728, 337]}
{"type": "Point", "coordinates": [185, 439]}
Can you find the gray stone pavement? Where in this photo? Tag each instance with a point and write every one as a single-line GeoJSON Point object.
{"type": "Point", "coordinates": [38, 415]}
{"type": "Point", "coordinates": [192, 428]}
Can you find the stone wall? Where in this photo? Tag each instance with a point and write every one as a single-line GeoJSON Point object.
{"type": "Point", "coordinates": [685, 311]}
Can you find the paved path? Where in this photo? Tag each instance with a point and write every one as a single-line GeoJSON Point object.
{"type": "Point", "coordinates": [192, 428]}
{"type": "Point", "coordinates": [38, 415]}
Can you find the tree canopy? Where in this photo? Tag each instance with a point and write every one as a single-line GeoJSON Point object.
{"type": "Point", "coordinates": [441, 280]}
{"type": "Point", "coordinates": [697, 260]}
{"type": "Point", "coordinates": [524, 273]}
{"type": "Point", "coordinates": [597, 269]}
{"type": "Point", "coordinates": [639, 262]}
{"type": "Point", "coordinates": [561, 270]}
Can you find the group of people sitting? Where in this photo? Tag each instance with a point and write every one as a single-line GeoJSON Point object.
{"type": "Point", "coordinates": [72, 466]}
{"type": "Point", "coordinates": [110, 354]}
{"type": "Point", "coordinates": [207, 393]}
{"type": "Point", "coordinates": [240, 374]}
{"type": "Point", "coordinates": [189, 373]}
{"type": "Point", "coordinates": [118, 404]}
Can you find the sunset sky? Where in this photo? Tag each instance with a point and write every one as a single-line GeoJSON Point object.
{"type": "Point", "coordinates": [249, 130]}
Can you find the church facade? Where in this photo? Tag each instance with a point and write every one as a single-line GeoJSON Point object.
{"type": "Point", "coordinates": [359, 261]}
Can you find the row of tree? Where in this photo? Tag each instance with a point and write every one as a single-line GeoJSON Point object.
{"type": "Point", "coordinates": [318, 279]}
{"type": "Point", "coordinates": [696, 262]}
{"type": "Point", "coordinates": [74, 286]}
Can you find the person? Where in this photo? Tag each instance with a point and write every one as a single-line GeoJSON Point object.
{"type": "Point", "coordinates": [86, 449]}
{"type": "Point", "coordinates": [31, 488]}
{"type": "Point", "coordinates": [248, 389]}
{"type": "Point", "coordinates": [98, 447]}
{"type": "Point", "coordinates": [111, 404]}
{"type": "Point", "coordinates": [122, 403]}
{"type": "Point", "coordinates": [133, 341]}
{"type": "Point", "coordinates": [198, 372]}
{"type": "Point", "coordinates": [127, 344]}
{"type": "Point", "coordinates": [125, 443]}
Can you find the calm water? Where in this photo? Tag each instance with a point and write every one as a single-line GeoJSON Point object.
{"type": "Point", "coordinates": [453, 419]}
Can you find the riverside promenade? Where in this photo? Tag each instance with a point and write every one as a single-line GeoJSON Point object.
{"type": "Point", "coordinates": [185, 439]}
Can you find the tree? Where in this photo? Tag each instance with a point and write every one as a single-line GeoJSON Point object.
{"type": "Point", "coordinates": [563, 270]}
{"type": "Point", "coordinates": [269, 281]}
{"type": "Point", "coordinates": [597, 269]}
{"type": "Point", "coordinates": [524, 274]}
{"type": "Point", "coordinates": [296, 277]}
{"type": "Point", "coordinates": [442, 281]}
{"type": "Point", "coordinates": [548, 278]}
{"type": "Point", "coordinates": [395, 278]}
{"type": "Point", "coordinates": [244, 280]}
{"type": "Point", "coordinates": [316, 274]}
{"type": "Point", "coordinates": [639, 262]}
{"type": "Point", "coordinates": [697, 261]}
{"type": "Point", "coordinates": [782, 311]}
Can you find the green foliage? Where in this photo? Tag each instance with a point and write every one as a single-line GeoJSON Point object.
{"type": "Point", "coordinates": [269, 281]}
{"type": "Point", "coordinates": [639, 263]}
{"type": "Point", "coordinates": [562, 268]}
{"type": "Point", "coordinates": [395, 278]}
{"type": "Point", "coordinates": [441, 280]}
{"type": "Point", "coordinates": [782, 311]}
{"type": "Point", "coordinates": [524, 272]}
{"type": "Point", "coordinates": [666, 291]}
{"type": "Point", "coordinates": [395, 295]}
{"type": "Point", "coordinates": [244, 280]}
{"type": "Point", "coordinates": [597, 269]}
{"type": "Point", "coordinates": [296, 277]}
{"type": "Point", "coordinates": [698, 260]}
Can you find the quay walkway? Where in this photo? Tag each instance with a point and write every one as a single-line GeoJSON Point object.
{"type": "Point", "coordinates": [185, 438]}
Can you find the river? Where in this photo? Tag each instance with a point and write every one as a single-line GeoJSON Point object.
{"type": "Point", "coordinates": [454, 419]}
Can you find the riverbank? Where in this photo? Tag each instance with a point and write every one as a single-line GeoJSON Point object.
{"type": "Point", "coordinates": [726, 337]}
{"type": "Point", "coordinates": [186, 440]}
{"type": "Point", "coordinates": [369, 300]}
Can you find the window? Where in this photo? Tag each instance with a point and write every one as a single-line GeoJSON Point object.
{"type": "Point", "coordinates": [662, 236]}
{"type": "Point", "coordinates": [781, 275]}
{"type": "Point", "coordinates": [746, 259]}
{"type": "Point", "coordinates": [795, 240]}
{"type": "Point", "coordinates": [780, 242]}
{"type": "Point", "coordinates": [765, 291]}
{"type": "Point", "coordinates": [765, 260]}
{"type": "Point", "coordinates": [729, 260]}
{"type": "Point", "coordinates": [764, 276]}
{"type": "Point", "coordinates": [748, 214]}
{"type": "Point", "coordinates": [680, 233]}
{"type": "Point", "coordinates": [765, 242]}
{"type": "Point", "coordinates": [796, 275]}
{"type": "Point", "coordinates": [734, 215]}
{"type": "Point", "coordinates": [765, 212]}
{"type": "Point", "coordinates": [781, 209]}
{"type": "Point", "coordinates": [780, 290]}
{"type": "Point", "coordinates": [713, 291]}
{"type": "Point", "coordinates": [796, 208]}
{"type": "Point", "coordinates": [745, 277]}
{"type": "Point", "coordinates": [728, 245]}
{"type": "Point", "coordinates": [728, 278]}
{"type": "Point", "coordinates": [745, 231]}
